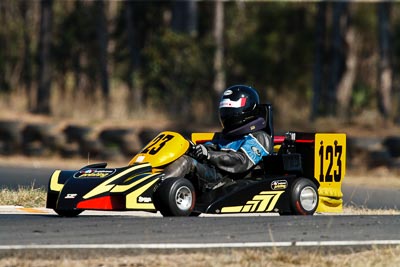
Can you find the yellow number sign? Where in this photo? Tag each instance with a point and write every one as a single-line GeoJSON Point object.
{"type": "Point", "coordinates": [330, 169]}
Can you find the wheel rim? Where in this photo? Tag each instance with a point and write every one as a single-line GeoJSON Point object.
{"type": "Point", "coordinates": [308, 198]}
{"type": "Point", "coordinates": [183, 198]}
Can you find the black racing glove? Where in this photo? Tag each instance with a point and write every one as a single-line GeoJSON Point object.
{"type": "Point", "coordinates": [201, 153]}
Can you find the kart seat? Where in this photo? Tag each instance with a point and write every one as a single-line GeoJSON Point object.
{"type": "Point", "coordinates": [266, 109]}
{"type": "Point", "coordinates": [269, 128]}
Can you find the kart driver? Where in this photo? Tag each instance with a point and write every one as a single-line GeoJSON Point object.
{"type": "Point", "coordinates": [237, 150]}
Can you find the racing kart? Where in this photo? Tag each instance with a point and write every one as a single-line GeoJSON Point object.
{"type": "Point", "coordinates": [302, 175]}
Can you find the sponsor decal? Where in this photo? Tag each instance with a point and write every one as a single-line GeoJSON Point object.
{"type": "Point", "coordinates": [144, 199]}
{"type": "Point", "coordinates": [265, 201]}
{"type": "Point", "coordinates": [279, 185]}
{"type": "Point", "coordinates": [140, 159]}
{"type": "Point", "coordinates": [256, 150]}
{"type": "Point", "coordinates": [227, 103]}
{"type": "Point", "coordinates": [94, 173]}
{"type": "Point", "coordinates": [70, 196]}
{"type": "Point", "coordinates": [228, 92]}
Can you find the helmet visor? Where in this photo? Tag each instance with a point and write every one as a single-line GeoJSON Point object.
{"type": "Point", "coordinates": [228, 103]}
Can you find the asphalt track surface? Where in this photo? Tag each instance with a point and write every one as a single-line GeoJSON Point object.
{"type": "Point", "coordinates": [131, 231]}
{"type": "Point", "coordinates": [42, 229]}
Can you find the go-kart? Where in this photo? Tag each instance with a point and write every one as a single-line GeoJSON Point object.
{"type": "Point", "coordinates": [302, 175]}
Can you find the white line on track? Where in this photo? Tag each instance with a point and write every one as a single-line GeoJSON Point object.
{"type": "Point", "coordinates": [205, 245]}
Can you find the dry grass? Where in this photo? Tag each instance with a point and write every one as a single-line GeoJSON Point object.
{"type": "Point", "coordinates": [388, 256]}
{"type": "Point", "coordinates": [351, 210]}
{"type": "Point", "coordinates": [24, 196]}
{"type": "Point", "coordinates": [78, 108]}
{"type": "Point", "coordinates": [380, 177]}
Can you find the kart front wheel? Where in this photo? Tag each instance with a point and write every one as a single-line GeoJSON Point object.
{"type": "Point", "coordinates": [175, 197]}
{"type": "Point", "coordinates": [303, 198]}
{"type": "Point", "coordinates": [68, 213]}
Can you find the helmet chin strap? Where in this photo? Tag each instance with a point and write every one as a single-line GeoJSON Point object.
{"type": "Point", "coordinates": [249, 127]}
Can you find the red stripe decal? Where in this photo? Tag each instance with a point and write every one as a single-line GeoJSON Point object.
{"type": "Point", "coordinates": [102, 203]}
{"type": "Point", "coordinates": [305, 141]}
{"type": "Point", "coordinates": [243, 102]}
{"type": "Point", "coordinates": [279, 139]}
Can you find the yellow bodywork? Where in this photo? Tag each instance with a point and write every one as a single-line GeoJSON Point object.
{"type": "Point", "coordinates": [163, 149]}
{"type": "Point", "coordinates": [329, 170]}
{"type": "Point", "coordinates": [202, 137]}
{"type": "Point", "coordinates": [132, 198]}
{"type": "Point", "coordinates": [54, 185]}
{"type": "Point", "coordinates": [109, 184]}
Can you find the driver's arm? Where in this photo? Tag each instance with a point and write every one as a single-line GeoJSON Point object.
{"type": "Point", "coordinates": [238, 162]}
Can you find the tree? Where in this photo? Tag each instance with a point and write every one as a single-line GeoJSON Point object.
{"type": "Point", "coordinates": [27, 55]}
{"type": "Point", "coordinates": [44, 73]}
{"type": "Point", "coordinates": [384, 64]}
{"type": "Point", "coordinates": [184, 17]}
{"type": "Point", "coordinates": [346, 83]}
{"type": "Point", "coordinates": [135, 98]}
{"type": "Point", "coordinates": [102, 37]}
{"type": "Point", "coordinates": [219, 74]}
{"type": "Point", "coordinates": [319, 65]}
{"type": "Point", "coordinates": [184, 21]}
{"type": "Point", "coordinates": [190, 49]}
{"type": "Point", "coordinates": [342, 71]}
{"type": "Point", "coordinates": [339, 26]}
{"type": "Point", "coordinates": [75, 20]}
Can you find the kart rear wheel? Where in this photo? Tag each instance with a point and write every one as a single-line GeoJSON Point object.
{"type": "Point", "coordinates": [68, 213]}
{"type": "Point", "coordinates": [175, 197]}
{"type": "Point", "coordinates": [303, 198]}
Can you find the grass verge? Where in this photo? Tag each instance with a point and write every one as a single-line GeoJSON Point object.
{"type": "Point", "coordinates": [24, 196]}
{"type": "Point", "coordinates": [382, 256]}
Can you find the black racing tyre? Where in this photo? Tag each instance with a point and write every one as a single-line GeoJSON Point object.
{"type": "Point", "coordinates": [195, 214]}
{"type": "Point", "coordinates": [10, 137]}
{"type": "Point", "coordinates": [76, 133]}
{"type": "Point", "coordinates": [91, 147]}
{"type": "Point", "coordinates": [175, 197]}
{"type": "Point", "coordinates": [392, 143]}
{"type": "Point", "coordinates": [68, 213]}
{"type": "Point", "coordinates": [114, 136]}
{"type": "Point", "coordinates": [303, 198]}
